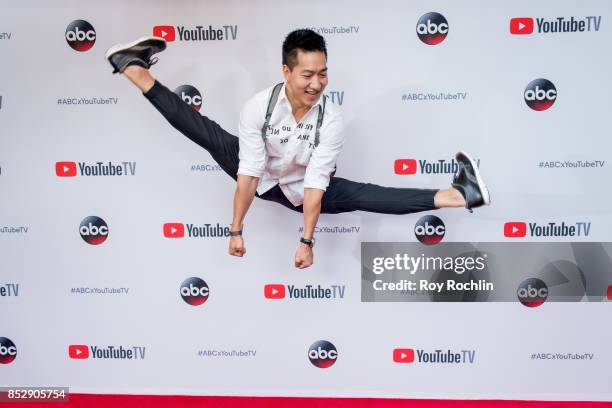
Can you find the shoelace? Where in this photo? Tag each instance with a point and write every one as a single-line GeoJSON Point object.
{"type": "Point", "coordinates": [153, 61]}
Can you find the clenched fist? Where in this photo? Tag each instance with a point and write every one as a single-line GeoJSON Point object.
{"type": "Point", "coordinates": [303, 256]}
{"type": "Point", "coordinates": [236, 246]}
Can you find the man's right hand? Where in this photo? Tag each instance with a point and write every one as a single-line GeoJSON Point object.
{"type": "Point", "coordinates": [236, 246]}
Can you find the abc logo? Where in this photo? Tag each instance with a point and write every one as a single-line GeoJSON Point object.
{"type": "Point", "coordinates": [540, 94]}
{"type": "Point", "coordinates": [80, 35]}
{"type": "Point", "coordinates": [322, 354]}
{"type": "Point", "coordinates": [190, 95]}
{"type": "Point", "coordinates": [8, 351]}
{"type": "Point", "coordinates": [432, 28]}
{"type": "Point", "coordinates": [429, 230]}
{"type": "Point", "coordinates": [194, 291]}
{"type": "Point", "coordinates": [532, 292]}
{"type": "Point", "coordinates": [93, 230]}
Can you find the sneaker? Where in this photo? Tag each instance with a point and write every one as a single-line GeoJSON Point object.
{"type": "Point", "coordinates": [138, 52]}
{"type": "Point", "coordinates": [469, 183]}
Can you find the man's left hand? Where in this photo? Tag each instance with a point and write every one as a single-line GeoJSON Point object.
{"type": "Point", "coordinates": [303, 256]}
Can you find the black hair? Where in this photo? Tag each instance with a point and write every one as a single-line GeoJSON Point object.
{"type": "Point", "coordinates": [303, 39]}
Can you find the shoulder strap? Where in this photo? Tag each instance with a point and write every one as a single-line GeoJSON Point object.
{"type": "Point", "coordinates": [271, 104]}
{"type": "Point", "coordinates": [320, 120]}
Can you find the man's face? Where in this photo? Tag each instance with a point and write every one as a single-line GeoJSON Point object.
{"type": "Point", "coordinates": [307, 80]}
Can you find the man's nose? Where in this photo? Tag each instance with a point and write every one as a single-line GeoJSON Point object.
{"type": "Point", "coordinates": [316, 84]}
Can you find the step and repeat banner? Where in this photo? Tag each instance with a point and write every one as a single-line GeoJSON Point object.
{"type": "Point", "coordinates": [114, 272]}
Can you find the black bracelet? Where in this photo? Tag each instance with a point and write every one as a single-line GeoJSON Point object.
{"type": "Point", "coordinates": [236, 233]}
{"type": "Point", "coordinates": [309, 242]}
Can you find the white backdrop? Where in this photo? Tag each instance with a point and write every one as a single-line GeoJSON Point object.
{"type": "Point", "coordinates": [375, 66]}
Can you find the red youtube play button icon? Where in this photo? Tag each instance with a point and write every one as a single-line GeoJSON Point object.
{"type": "Point", "coordinates": [515, 229]}
{"type": "Point", "coordinates": [274, 291]}
{"type": "Point", "coordinates": [405, 166]}
{"type": "Point", "coordinates": [521, 25]}
{"type": "Point", "coordinates": [403, 355]}
{"type": "Point", "coordinates": [65, 169]}
{"type": "Point", "coordinates": [78, 351]}
{"type": "Point", "coordinates": [166, 32]}
{"type": "Point", "coordinates": [174, 230]}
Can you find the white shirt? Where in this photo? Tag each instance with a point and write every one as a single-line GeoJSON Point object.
{"type": "Point", "coordinates": [288, 157]}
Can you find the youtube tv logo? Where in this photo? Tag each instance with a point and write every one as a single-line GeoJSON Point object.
{"type": "Point", "coordinates": [274, 291]}
{"type": "Point", "coordinates": [405, 166]}
{"type": "Point", "coordinates": [65, 169]}
{"type": "Point", "coordinates": [521, 25]}
{"type": "Point", "coordinates": [174, 230]}
{"type": "Point", "coordinates": [166, 32]}
{"type": "Point", "coordinates": [78, 351]}
{"type": "Point", "coordinates": [189, 230]}
{"type": "Point", "coordinates": [403, 355]}
{"type": "Point", "coordinates": [515, 229]}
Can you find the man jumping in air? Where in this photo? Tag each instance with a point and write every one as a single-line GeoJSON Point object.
{"type": "Point", "coordinates": [289, 141]}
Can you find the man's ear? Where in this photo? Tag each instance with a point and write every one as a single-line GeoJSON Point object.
{"type": "Point", "coordinates": [286, 71]}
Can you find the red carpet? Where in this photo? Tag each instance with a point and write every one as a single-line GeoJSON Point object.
{"type": "Point", "coordinates": [151, 401]}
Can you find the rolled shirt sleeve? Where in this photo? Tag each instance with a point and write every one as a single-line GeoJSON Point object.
{"type": "Point", "coordinates": [324, 157]}
{"type": "Point", "coordinates": [252, 153]}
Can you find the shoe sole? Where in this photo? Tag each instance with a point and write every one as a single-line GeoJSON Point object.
{"type": "Point", "coordinates": [486, 198]}
{"type": "Point", "coordinates": [143, 42]}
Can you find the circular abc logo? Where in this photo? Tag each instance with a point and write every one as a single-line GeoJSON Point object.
{"type": "Point", "coordinates": [80, 35]}
{"type": "Point", "coordinates": [93, 230]}
{"type": "Point", "coordinates": [540, 94]}
{"type": "Point", "coordinates": [322, 354]}
{"type": "Point", "coordinates": [432, 28]}
{"type": "Point", "coordinates": [532, 292]}
{"type": "Point", "coordinates": [8, 351]}
{"type": "Point", "coordinates": [429, 230]}
{"type": "Point", "coordinates": [190, 95]}
{"type": "Point", "coordinates": [194, 291]}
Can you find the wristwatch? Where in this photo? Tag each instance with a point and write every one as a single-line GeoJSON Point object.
{"type": "Point", "coordinates": [309, 242]}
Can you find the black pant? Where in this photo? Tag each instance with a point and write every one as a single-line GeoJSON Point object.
{"type": "Point", "coordinates": [341, 196]}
